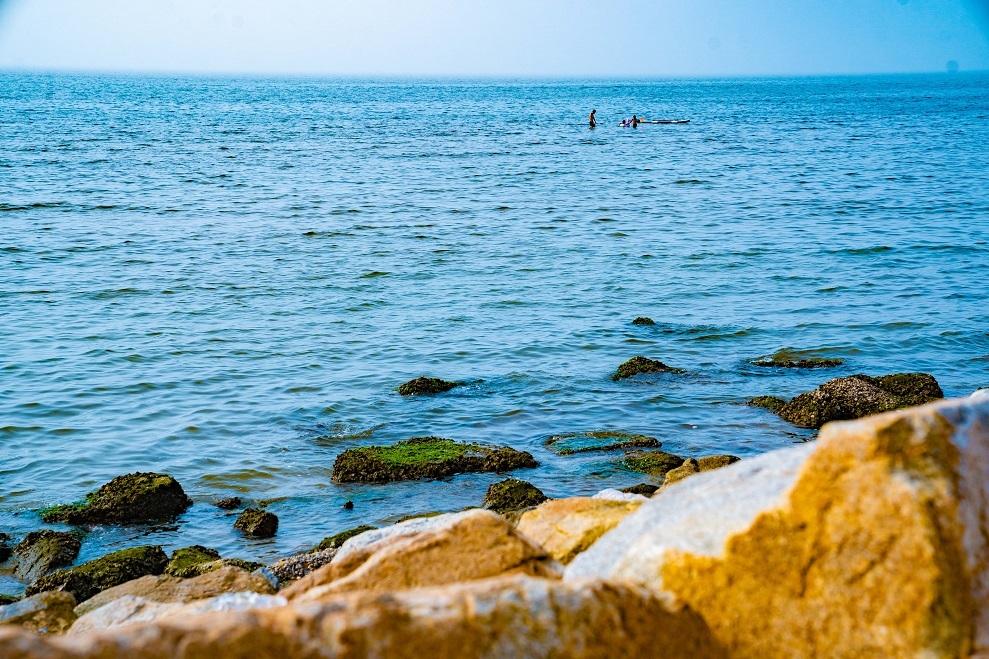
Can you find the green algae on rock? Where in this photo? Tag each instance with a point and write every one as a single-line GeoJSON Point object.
{"type": "Point", "coordinates": [85, 580]}
{"type": "Point", "coordinates": [40, 552]}
{"type": "Point", "coordinates": [335, 541]}
{"type": "Point", "coordinates": [652, 463]}
{"type": "Point", "coordinates": [257, 523]}
{"type": "Point", "coordinates": [8, 599]}
{"type": "Point", "coordinates": [512, 494]}
{"type": "Point", "coordinates": [641, 365]}
{"type": "Point", "coordinates": [138, 497]}
{"type": "Point", "coordinates": [643, 320]}
{"type": "Point", "coordinates": [601, 440]}
{"type": "Point", "coordinates": [425, 458]}
{"type": "Point", "coordinates": [423, 386]}
{"type": "Point", "coordinates": [789, 358]}
{"type": "Point", "coordinates": [771, 403]}
{"type": "Point", "coordinates": [189, 561]}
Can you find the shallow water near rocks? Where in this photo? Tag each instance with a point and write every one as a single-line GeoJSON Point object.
{"type": "Point", "coordinates": [226, 279]}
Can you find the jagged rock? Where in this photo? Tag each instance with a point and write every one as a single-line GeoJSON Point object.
{"type": "Point", "coordinates": [688, 468]}
{"type": "Point", "coordinates": [40, 552]}
{"type": "Point", "coordinates": [257, 523]}
{"type": "Point", "coordinates": [85, 580]}
{"type": "Point", "coordinates": [643, 320]}
{"type": "Point", "coordinates": [228, 503]}
{"type": "Point", "coordinates": [426, 386]}
{"type": "Point", "coordinates": [165, 588]}
{"type": "Point", "coordinates": [599, 440]}
{"type": "Point", "coordinates": [566, 527]}
{"type": "Point", "coordinates": [336, 541]}
{"type": "Point", "coordinates": [653, 463]}
{"type": "Point", "coordinates": [645, 489]}
{"type": "Point", "coordinates": [138, 497]}
{"type": "Point", "coordinates": [875, 535]}
{"type": "Point", "coordinates": [189, 561]}
{"type": "Point", "coordinates": [44, 613]}
{"type": "Point", "coordinates": [640, 365]}
{"type": "Point", "coordinates": [771, 403]}
{"type": "Point", "coordinates": [425, 457]}
{"type": "Point", "coordinates": [296, 567]}
{"type": "Point", "coordinates": [512, 494]}
{"type": "Point", "coordinates": [475, 544]}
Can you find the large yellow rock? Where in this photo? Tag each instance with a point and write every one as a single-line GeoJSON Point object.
{"type": "Point", "coordinates": [566, 527]}
{"type": "Point", "coordinates": [872, 541]}
{"type": "Point", "coordinates": [501, 617]}
{"type": "Point", "coordinates": [439, 550]}
{"type": "Point", "coordinates": [50, 612]}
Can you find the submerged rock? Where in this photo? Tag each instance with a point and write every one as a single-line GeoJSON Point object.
{"type": "Point", "coordinates": [257, 523]}
{"type": "Point", "coordinates": [138, 497]}
{"type": "Point", "coordinates": [643, 320]}
{"type": "Point", "coordinates": [640, 365]}
{"type": "Point", "coordinates": [336, 541]}
{"type": "Point", "coordinates": [788, 358]}
{"type": "Point", "coordinates": [653, 463]}
{"type": "Point", "coordinates": [512, 494]}
{"type": "Point", "coordinates": [602, 440]}
{"type": "Point", "coordinates": [85, 580]}
{"type": "Point", "coordinates": [228, 503]}
{"type": "Point", "coordinates": [645, 489]}
{"type": "Point", "coordinates": [566, 527]}
{"type": "Point", "coordinates": [40, 552]}
{"type": "Point", "coordinates": [44, 613]}
{"type": "Point", "coordinates": [189, 561]}
{"type": "Point", "coordinates": [425, 457]}
{"type": "Point", "coordinates": [771, 403]}
{"type": "Point", "coordinates": [426, 386]}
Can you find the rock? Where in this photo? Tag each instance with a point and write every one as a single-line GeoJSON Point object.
{"type": "Point", "coordinates": [139, 497]}
{"type": "Point", "coordinates": [425, 457]}
{"type": "Point", "coordinates": [229, 503]}
{"type": "Point", "coordinates": [653, 463]}
{"type": "Point", "coordinates": [612, 494]}
{"type": "Point", "coordinates": [503, 617]}
{"type": "Point", "coordinates": [566, 527]}
{"type": "Point", "coordinates": [640, 365]}
{"type": "Point", "coordinates": [709, 462]}
{"type": "Point", "coordinates": [336, 541]}
{"type": "Point", "coordinates": [90, 578]}
{"type": "Point", "coordinates": [8, 599]}
{"type": "Point", "coordinates": [5, 548]}
{"type": "Point", "coordinates": [643, 320]}
{"type": "Point", "coordinates": [268, 575]}
{"type": "Point", "coordinates": [426, 386]}
{"type": "Point", "coordinates": [44, 613]}
{"type": "Point", "coordinates": [789, 358]}
{"type": "Point", "coordinates": [40, 552]}
{"type": "Point", "coordinates": [980, 394]}
{"type": "Point", "coordinates": [129, 610]}
{"type": "Point", "coordinates": [601, 440]}
{"type": "Point", "coordinates": [257, 523]}
{"type": "Point", "coordinates": [875, 536]}
{"type": "Point", "coordinates": [188, 561]}
{"type": "Point", "coordinates": [688, 468]}
{"type": "Point", "coordinates": [165, 588]}
{"type": "Point", "coordinates": [475, 544]}
{"type": "Point", "coordinates": [512, 494]}
{"type": "Point", "coordinates": [348, 505]}
{"type": "Point", "coordinates": [771, 403]}
{"type": "Point", "coordinates": [645, 489]}
{"type": "Point", "coordinates": [296, 567]}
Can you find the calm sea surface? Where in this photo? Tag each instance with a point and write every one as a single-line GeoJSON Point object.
{"type": "Point", "coordinates": [226, 279]}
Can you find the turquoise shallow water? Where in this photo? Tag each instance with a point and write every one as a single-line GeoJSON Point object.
{"type": "Point", "coordinates": [225, 280]}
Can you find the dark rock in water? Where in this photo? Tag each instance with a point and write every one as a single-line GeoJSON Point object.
{"type": "Point", "coordinates": [910, 389]}
{"type": "Point", "coordinates": [640, 365]}
{"type": "Point", "coordinates": [229, 503]}
{"type": "Point", "coordinates": [426, 386]}
{"type": "Point", "coordinates": [653, 463]}
{"type": "Point", "coordinates": [605, 440]}
{"type": "Point", "coordinates": [645, 489]}
{"type": "Point", "coordinates": [424, 458]}
{"type": "Point", "coordinates": [336, 541]}
{"type": "Point", "coordinates": [710, 462]}
{"type": "Point", "coordinates": [8, 599]}
{"type": "Point", "coordinates": [771, 403]}
{"type": "Point", "coordinates": [43, 551]}
{"type": "Point", "coordinates": [257, 523]}
{"type": "Point", "coordinates": [86, 580]}
{"type": "Point", "coordinates": [787, 358]}
{"type": "Point", "coordinates": [512, 494]}
{"type": "Point", "coordinates": [139, 497]}
{"type": "Point", "coordinates": [5, 548]}
{"type": "Point", "coordinates": [643, 320]}
{"type": "Point", "coordinates": [250, 566]}
{"type": "Point", "coordinates": [349, 505]}
{"type": "Point", "coordinates": [188, 561]}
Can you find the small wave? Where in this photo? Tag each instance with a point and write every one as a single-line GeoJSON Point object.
{"type": "Point", "coordinates": [10, 208]}
{"type": "Point", "coordinates": [372, 275]}
{"type": "Point", "coordinates": [689, 181]}
{"type": "Point", "coordinates": [861, 251]}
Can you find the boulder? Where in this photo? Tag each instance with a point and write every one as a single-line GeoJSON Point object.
{"type": "Point", "coordinates": [566, 527]}
{"type": "Point", "coordinates": [504, 617]}
{"type": "Point", "coordinates": [872, 541]}
{"type": "Point", "coordinates": [475, 544]}
{"type": "Point", "coordinates": [645, 489]}
{"type": "Point", "coordinates": [257, 523]}
{"type": "Point", "coordinates": [641, 365]}
{"type": "Point", "coordinates": [168, 589]}
{"type": "Point", "coordinates": [692, 466]}
{"type": "Point", "coordinates": [599, 440]}
{"type": "Point", "coordinates": [425, 457]}
{"type": "Point", "coordinates": [40, 552]}
{"type": "Point", "coordinates": [512, 494]}
{"type": "Point", "coordinates": [85, 580]}
{"type": "Point", "coordinates": [44, 613]}
{"type": "Point", "coordinates": [189, 561]}
{"type": "Point", "coordinates": [643, 320]}
{"type": "Point", "coordinates": [652, 463]}
{"type": "Point", "coordinates": [228, 503]}
{"type": "Point", "coordinates": [771, 403]}
{"type": "Point", "coordinates": [336, 541]}
{"type": "Point", "coordinates": [295, 567]}
{"type": "Point", "coordinates": [709, 462]}
{"type": "Point", "coordinates": [426, 386]}
{"type": "Point", "coordinates": [138, 497]}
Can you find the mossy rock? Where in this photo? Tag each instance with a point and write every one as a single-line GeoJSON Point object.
{"type": "Point", "coordinates": [605, 440]}
{"type": "Point", "coordinates": [645, 489]}
{"type": "Point", "coordinates": [431, 513]}
{"type": "Point", "coordinates": [709, 462]}
{"type": "Point", "coordinates": [336, 541]}
{"type": "Point", "coordinates": [425, 458]}
{"type": "Point", "coordinates": [771, 403]}
{"type": "Point", "coordinates": [426, 386]}
{"type": "Point", "coordinates": [643, 320]}
{"type": "Point", "coordinates": [789, 358]}
{"type": "Point", "coordinates": [188, 561]}
{"type": "Point", "coordinates": [5, 547]}
{"type": "Point", "coordinates": [652, 463]}
{"type": "Point", "coordinates": [643, 365]}
{"type": "Point", "coordinates": [250, 566]}
{"type": "Point", "coordinates": [512, 494]}
{"type": "Point", "coordinates": [257, 523]}
{"type": "Point", "coordinates": [86, 580]}
{"type": "Point", "coordinates": [138, 497]}
{"type": "Point", "coordinates": [910, 389]}
{"type": "Point", "coordinates": [228, 503]}
{"type": "Point", "coordinates": [42, 551]}
{"type": "Point", "coordinates": [8, 599]}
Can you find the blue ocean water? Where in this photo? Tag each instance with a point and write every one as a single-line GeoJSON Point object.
{"type": "Point", "coordinates": [226, 279]}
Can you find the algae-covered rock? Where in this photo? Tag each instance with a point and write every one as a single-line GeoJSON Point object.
{"type": "Point", "coordinates": [335, 541]}
{"type": "Point", "coordinates": [771, 403]}
{"type": "Point", "coordinates": [910, 389]}
{"type": "Point", "coordinates": [645, 489]}
{"type": "Point", "coordinates": [643, 320]}
{"type": "Point", "coordinates": [688, 468]}
{"type": "Point", "coordinates": [40, 552]}
{"type": "Point", "coordinates": [653, 463]}
{"type": "Point", "coordinates": [426, 386]}
{"type": "Point", "coordinates": [599, 440]}
{"type": "Point", "coordinates": [189, 561]}
{"type": "Point", "coordinates": [44, 613]}
{"type": "Point", "coordinates": [295, 567]}
{"type": "Point", "coordinates": [85, 580]}
{"type": "Point", "coordinates": [5, 548]}
{"type": "Point", "coordinates": [8, 599]}
{"type": "Point", "coordinates": [138, 497]}
{"type": "Point", "coordinates": [789, 358]}
{"type": "Point", "coordinates": [709, 462]}
{"type": "Point", "coordinates": [228, 503]}
{"type": "Point", "coordinates": [641, 365]}
{"type": "Point", "coordinates": [512, 494]}
{"type": "Point", "coordinates": [257, 523]}
{"type": "Point", "coordinates": [425, 457]}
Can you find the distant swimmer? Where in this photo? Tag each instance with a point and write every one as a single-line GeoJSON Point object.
{"type": "Point", "coordinates": [590, 117]}
{"type": "Point", "coordinates": [635, 121]}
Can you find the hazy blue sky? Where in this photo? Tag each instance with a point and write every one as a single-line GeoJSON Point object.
{"type": "Point", "coordinates": [508, 37]}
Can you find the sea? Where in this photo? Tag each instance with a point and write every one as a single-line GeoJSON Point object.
{"type": "Point", "coordinates": [226, 279]}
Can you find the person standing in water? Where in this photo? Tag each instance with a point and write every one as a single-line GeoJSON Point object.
{"type": "Point", "coordinates": [635, 121]}
{"type": "Point", "coordinates": [590, 117]}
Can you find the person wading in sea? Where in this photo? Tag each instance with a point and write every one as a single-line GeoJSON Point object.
{"type": "Point", "coordinates": [590, 117]}
{"type": "Point", "coordinates": [635, 121]}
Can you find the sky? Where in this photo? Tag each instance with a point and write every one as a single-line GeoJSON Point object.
{"type": "Point", "coordinates": [578, 38]}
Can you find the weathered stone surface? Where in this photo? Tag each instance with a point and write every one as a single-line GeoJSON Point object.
{"type": "Point", "coordinates": [188, 561]}
{"type": "Point", "coordinates": [40, 552]}
{"type": "Point", "coordinates": [44, 613]}
{"type": "Point", "coordinates": [645, 489]}
{"type": "Point", "coordinates": [709, 462]}
{"type": "Point", "coordinates": [572, 443]}
{"type": "Point", "coordinates": [296, 567]}
{"type": "Point", "coordinates": [424, 386]}
{"type": "Point", "coordinates": [512, 494]}
{"type": "Point", "coordinates": [85, 580]}
{"type": "Point", "coordinates": [641, 365]}
{"type": "Point", "coordinates": [789, 358]}
{"type": "Point", "coordinates": [504, 617]}
{"type": "Point", "coordinates": [165, 588]}
{"type": "Point", "coordinates": [566, 527]}
{"type": "Point", "coordinates": [475, 544]}
{"type": "Point", "coordinates": [228, 503]}
{"type": "Point", "coordinates": [336, 541]}
{"type": "Point", "coordinates": [688, 468]}
{"type": "Point", "coordinates": [138, 497]}
{"type": "Point", "coordinates": [643, 320]}
{"type": "Point", "coordinates": [257, 523]}
{"type": "Point", "coordinates": [771, 403]}
{"type": "Point", "coordinates": [872, 541]}
{"type": "Point", "coordinates": [653, 463]}
{"type": "Point", "coordinates": [612, 494]}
